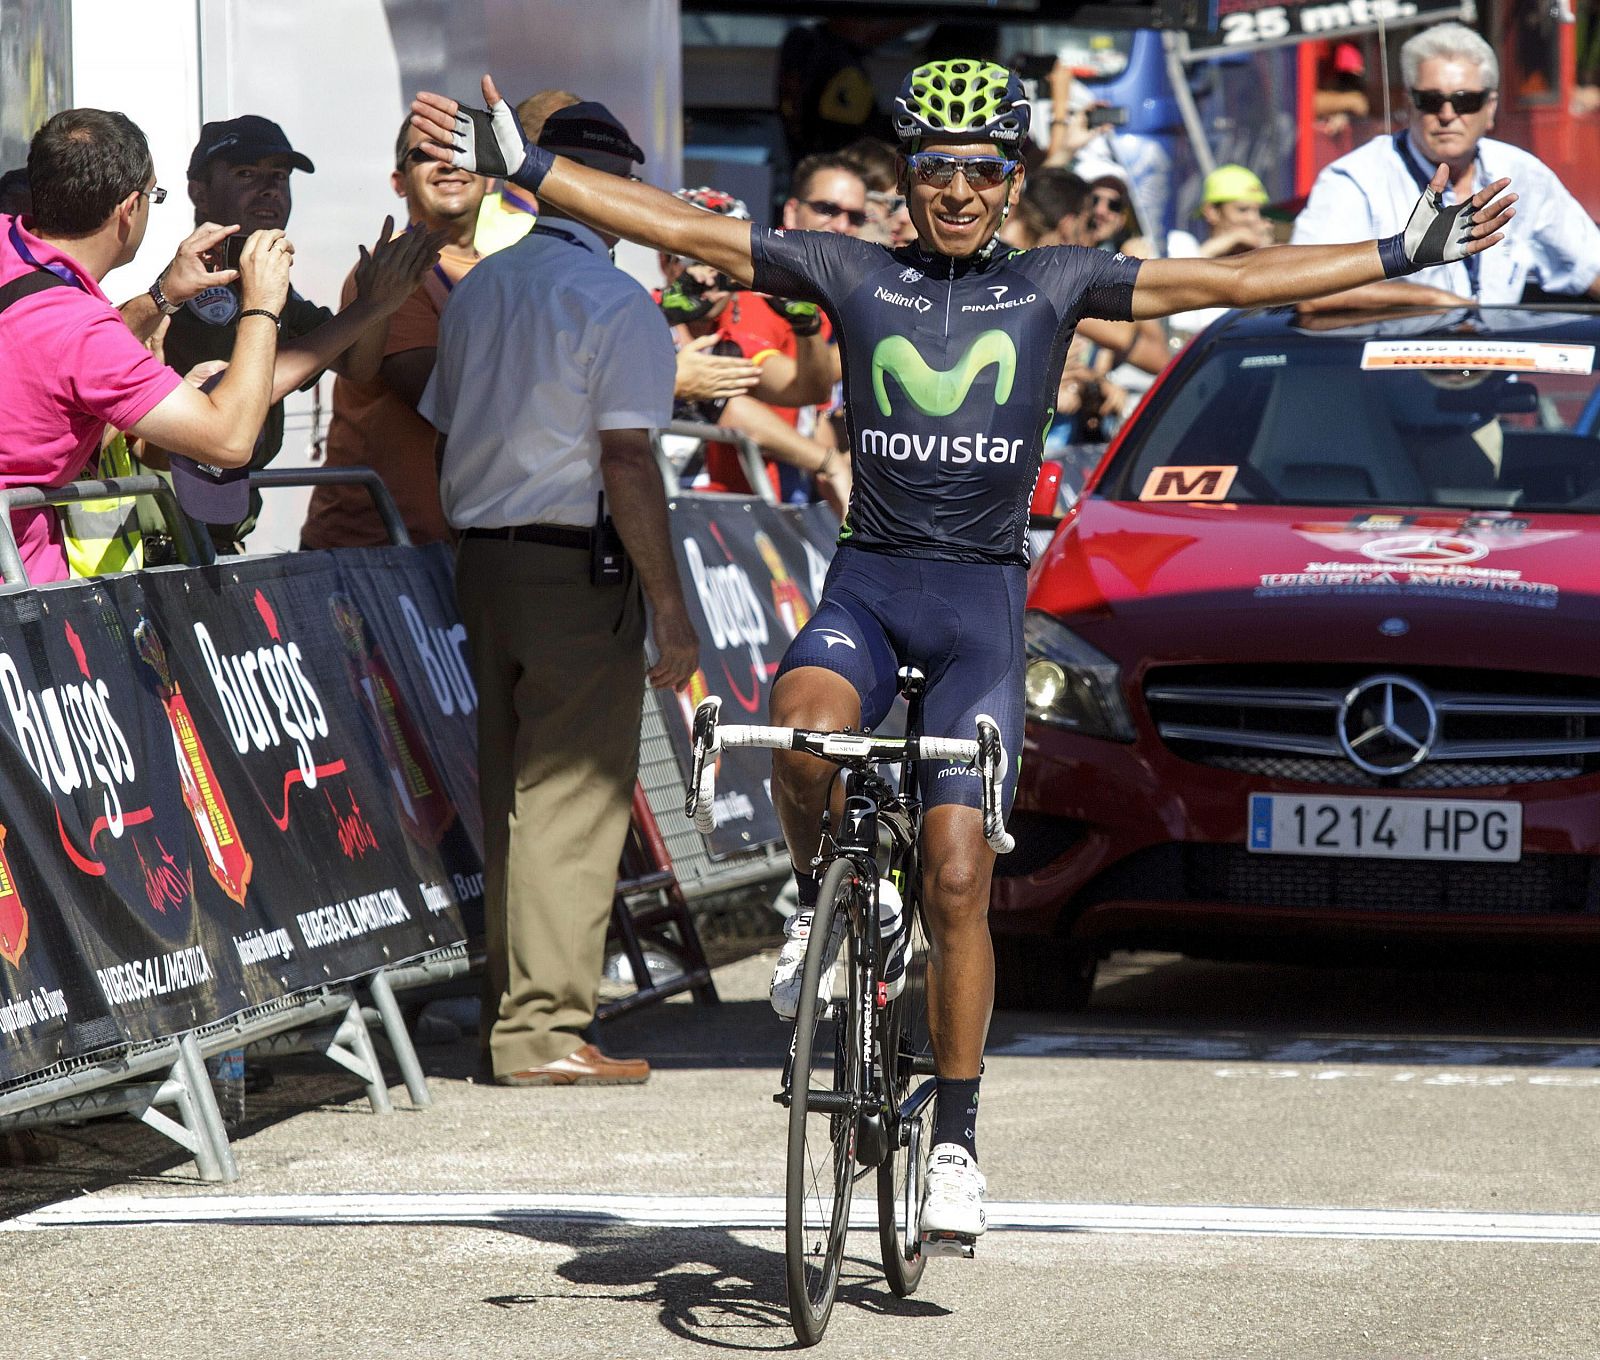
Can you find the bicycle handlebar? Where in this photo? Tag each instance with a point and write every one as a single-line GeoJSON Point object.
{"type": "Point", "coordinates": [987, 753]}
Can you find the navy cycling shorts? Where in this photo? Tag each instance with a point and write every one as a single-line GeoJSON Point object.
{"type": "Point", "coordinates": [959, 623]}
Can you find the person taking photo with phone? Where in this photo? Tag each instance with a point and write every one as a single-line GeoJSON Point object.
{"type": "Point", "coordinates": [239, 183]}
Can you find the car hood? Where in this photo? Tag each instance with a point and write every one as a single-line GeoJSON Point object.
{"type": "Point", "coordinates": [1153, 583]}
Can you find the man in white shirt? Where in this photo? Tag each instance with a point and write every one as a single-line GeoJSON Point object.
{"type": "Point", "coordinates": [1453, 78]}
{"type": "Point", "coordinates": [553, 368]}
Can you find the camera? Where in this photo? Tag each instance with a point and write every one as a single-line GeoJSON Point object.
{"type": "Point", "coordinates": [1107, 115]}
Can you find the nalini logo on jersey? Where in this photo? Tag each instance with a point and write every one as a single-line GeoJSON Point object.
{"type": "Point", "coordinates": [941, 392]}
{"type": "Point", "coordinates": [266, 696]}
{"type": "Point", "coordinates": [917, 304]}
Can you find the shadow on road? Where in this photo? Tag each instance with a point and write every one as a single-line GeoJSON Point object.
{"type": "Point", "coordinates": [705, 1284]}
{"type": "Point", "coordinates": [1167, 1006]}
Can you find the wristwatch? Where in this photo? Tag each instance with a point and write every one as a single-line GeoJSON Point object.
{"type": "Point", "coordinates": [160, 299]}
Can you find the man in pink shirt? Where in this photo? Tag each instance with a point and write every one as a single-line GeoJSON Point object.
{"type": "Point", "coordinates": [69, 365]}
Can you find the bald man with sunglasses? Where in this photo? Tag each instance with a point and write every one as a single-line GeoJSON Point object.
{"type": "Point", "coordinates": [953, 348]}
{"type": "Point", "coordinates": [1453, 79]}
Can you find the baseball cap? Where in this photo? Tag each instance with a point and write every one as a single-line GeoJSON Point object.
{"type": "Point", "coordinates": [589, 127]}
{"type": "Point", "coordinates": [240, 140]}
{"type": "Point", "coordinates": [212, 495]}
{"type": "Point", "coordinates": [1348, 60]}
{"type": "Point", "coordinates": [1233, 184]}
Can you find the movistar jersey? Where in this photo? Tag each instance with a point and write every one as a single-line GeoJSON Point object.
{"type": "Point", "coordinates": [950, 376]}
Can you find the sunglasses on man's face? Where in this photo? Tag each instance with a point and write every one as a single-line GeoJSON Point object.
{"type": "Point", "coordinates": [1111, 202]}
{"type": "Point", "coordinates": [825, 208]}
{"type": "Point", "coordinates": [415, 156]}
{"type": "Point", "coordinates": [890, 203]}
{"type": "Point", "coordinates": [980, 172]}
{"type": "Point", "coordinates": [1462, 101]}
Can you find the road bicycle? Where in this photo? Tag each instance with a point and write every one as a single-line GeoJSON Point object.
{"type": "Point", "coordinates": [858, 1082]}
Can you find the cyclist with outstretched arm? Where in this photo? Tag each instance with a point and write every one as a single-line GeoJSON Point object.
{"type": "Point", "coordinates": [952, 348]}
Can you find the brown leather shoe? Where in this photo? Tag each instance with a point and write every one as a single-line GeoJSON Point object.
{"type": "Point", "coordinates": [587, 1067]}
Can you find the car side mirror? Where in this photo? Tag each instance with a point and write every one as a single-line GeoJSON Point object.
{"type": "Point", "coordinates": [1045, 511]}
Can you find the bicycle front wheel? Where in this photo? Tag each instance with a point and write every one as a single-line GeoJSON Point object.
{"type": "Point", "coordinates": [826, 1094]}
{"type": "Point", "coordinates": [906, 1052]}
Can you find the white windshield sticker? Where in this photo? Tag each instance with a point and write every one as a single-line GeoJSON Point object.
{"type": "Point", "coordinates": [1512, 356]}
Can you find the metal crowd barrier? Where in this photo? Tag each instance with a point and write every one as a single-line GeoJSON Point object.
{"type": "Point", "coordinates": [750, 456]}
{"type": "Point", "coordinates": [141, 1079]}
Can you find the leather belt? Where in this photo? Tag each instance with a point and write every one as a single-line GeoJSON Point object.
{"type": "Point", "coordinates": [555, 535]}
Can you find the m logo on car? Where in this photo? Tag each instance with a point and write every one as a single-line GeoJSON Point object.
{"type": "Point", "coordinates": [1188, 483]}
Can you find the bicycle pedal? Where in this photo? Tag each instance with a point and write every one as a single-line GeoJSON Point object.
{"type": "Point", "coordinates": [949, 1244]}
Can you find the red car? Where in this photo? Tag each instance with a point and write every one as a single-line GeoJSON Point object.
{"type": "Point", "coordinates": [1312, 662]}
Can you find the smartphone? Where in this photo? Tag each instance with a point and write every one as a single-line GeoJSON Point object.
{"type": "Point", "coordinates": [1107, 115]}
{"type": "Point", "coordinates": [227, 255]}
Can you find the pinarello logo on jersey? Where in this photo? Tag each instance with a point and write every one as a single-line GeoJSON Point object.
{"type": "Point", "coordinates": [269, 702]}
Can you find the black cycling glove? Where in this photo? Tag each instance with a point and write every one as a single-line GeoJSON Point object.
{"type": "Point", "coordinates": [491, 142]}
{"type": "Point", "coordinates": [804, 318]}
{"type": "Point", "coordinates": [1435, 234]}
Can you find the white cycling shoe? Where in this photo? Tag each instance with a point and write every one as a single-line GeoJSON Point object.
{"type": "Point", "coordinates": [785, 991]}
{"type": "Point", "coordinates": [792, 962]}
{"type": "Point", "coordinates": [953, 1216]}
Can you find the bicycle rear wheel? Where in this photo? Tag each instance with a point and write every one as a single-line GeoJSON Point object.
{"type": "Point", "coordinates": [826, 1092]}
{"type": "Point", "coordinates": [907, 1054]}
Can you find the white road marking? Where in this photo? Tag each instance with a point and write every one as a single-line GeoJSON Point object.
{"type": "Point", "coordinates": [732, 1211]}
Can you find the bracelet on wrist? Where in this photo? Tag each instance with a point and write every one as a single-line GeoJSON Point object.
{"type": "Point", "coordinates": [822, 467]}
{"type": "Point", "coordinates": [261, 311]}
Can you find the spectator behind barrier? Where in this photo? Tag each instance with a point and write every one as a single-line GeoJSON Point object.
{"type": "Point", "coordinates": [1232, 198]}
{"type": "Point", "coordinates": [826, 193]}
{"type": "Point", "coordinates": [94, 187]}
{"type": "Point", "coordinates": [785, 342]}
{"type": "Point", "coordinates": [553, 368]}
{"type": "Point", "coordinates": [375, 424]}
{"type": "Point", "coordinates": [888, 218]}
{"type": "Point", "coordinates": [507, 214]}
{"type": "Point", "coordinates": [1453, 78]}
{"type": "Point", "coordinates": [239, 172]}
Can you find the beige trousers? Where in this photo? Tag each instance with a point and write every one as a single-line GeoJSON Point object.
{"type": "Point", "coordinates": [559, 665]}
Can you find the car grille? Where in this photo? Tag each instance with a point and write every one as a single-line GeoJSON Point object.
{"type": "Point", "coordinates": [1559, 885]}
{"type": "Point", "coordinates": [1281, 722]}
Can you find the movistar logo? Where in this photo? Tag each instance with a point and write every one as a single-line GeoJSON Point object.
{"type": "Point", "coordinates": [940, 393]}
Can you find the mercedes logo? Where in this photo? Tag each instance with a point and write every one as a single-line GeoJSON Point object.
{"type": "Point", "coordinates": [1388, 724]}
{"type": "Point", "coordinates": [1425, 550]}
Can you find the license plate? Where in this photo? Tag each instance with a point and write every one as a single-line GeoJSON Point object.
{"type": "Point", "coordinates": [1385, 828]}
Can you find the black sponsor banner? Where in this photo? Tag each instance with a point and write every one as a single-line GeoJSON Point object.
{"type": "Point", "coordinates": [1248, 25]}
{"type": "Point", "coordinates": [218, 787]}
{"type": "Point", "coordinates": [406, 658]}
{"type": "Point", "coordinates": [751, 574]}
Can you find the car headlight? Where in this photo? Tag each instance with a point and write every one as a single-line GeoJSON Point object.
{"type": "Point", "coordinates": [1069, 684]}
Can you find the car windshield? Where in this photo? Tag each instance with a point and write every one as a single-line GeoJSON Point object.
{"type": "Point", "coordinates": [1491, 419]}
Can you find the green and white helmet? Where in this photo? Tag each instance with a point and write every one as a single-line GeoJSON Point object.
{"type": "Point", "coordinates": [971, 101]}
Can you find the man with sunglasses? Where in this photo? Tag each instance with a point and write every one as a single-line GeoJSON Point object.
{"type": "Point", "coordinates": [1453, 79]}
{"type": "Point", "coordinates": [953, 349]}
{"type": "Point", "coordinates": [827, 193]}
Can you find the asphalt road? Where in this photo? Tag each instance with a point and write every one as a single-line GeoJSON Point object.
{"type": "Point", "coordinates": [1213, 1161]}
